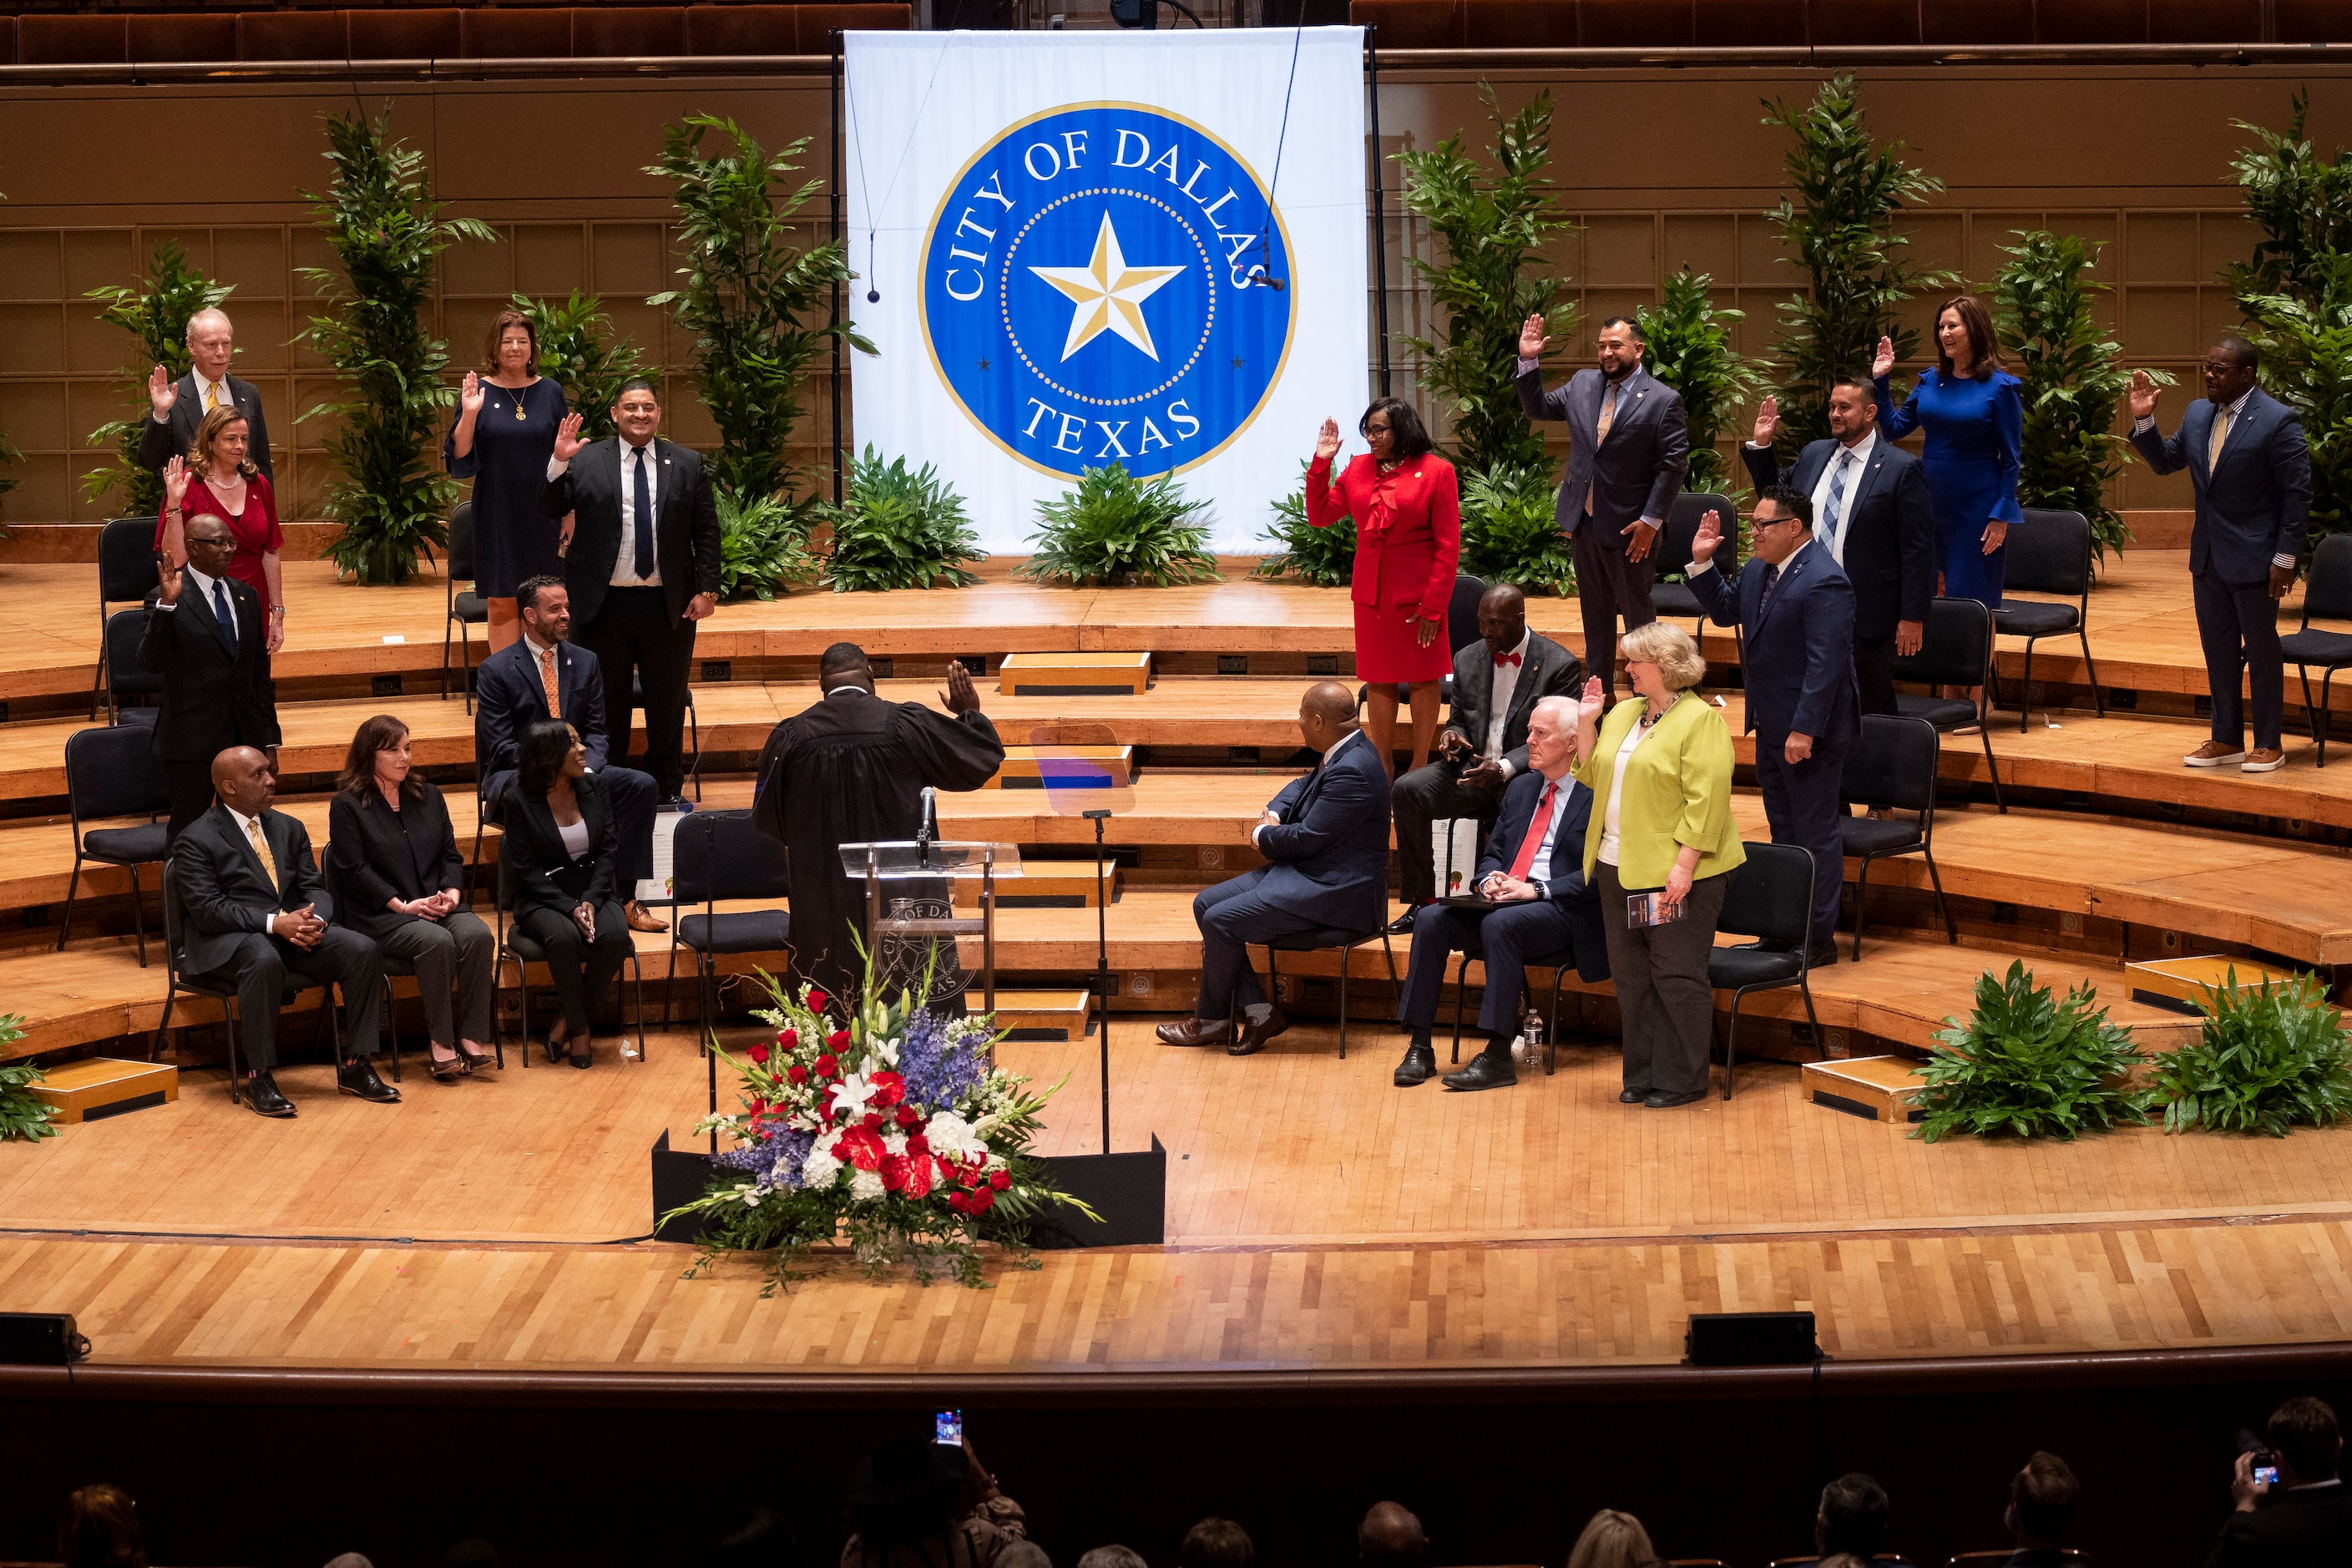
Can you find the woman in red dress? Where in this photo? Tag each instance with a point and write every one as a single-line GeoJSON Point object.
{"type": "Point", "coordinates": [1408, 512]}
{"type": "Point", "coordinates": [217, 481]}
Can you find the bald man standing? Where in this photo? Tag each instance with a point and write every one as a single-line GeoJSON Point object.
{"type": "Point", "coordinates": [1326, 841]}
{"type": "Point", "coordinates": [176, 407]}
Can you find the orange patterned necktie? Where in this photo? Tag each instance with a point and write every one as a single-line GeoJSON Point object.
{"type": "Point", "coordinates": [547, 678]}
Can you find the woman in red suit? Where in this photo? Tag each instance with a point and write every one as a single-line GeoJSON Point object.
{"type": "Point", "coordinates": [1408, 512]}
{"type": "Point", "coordinates": [217, 481]}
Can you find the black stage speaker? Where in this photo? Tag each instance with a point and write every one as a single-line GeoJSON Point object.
{"type": "Point", "coordinates": [1750, 1339]}
{"type": "Point", "coordinates": [40, 1339]}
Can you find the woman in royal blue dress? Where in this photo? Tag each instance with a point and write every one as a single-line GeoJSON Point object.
{"type": "Point", "coordinates": [1974, 414]}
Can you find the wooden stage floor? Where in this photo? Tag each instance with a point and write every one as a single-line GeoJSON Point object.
{"type": "Point", "coordinates": [1318, 1219]}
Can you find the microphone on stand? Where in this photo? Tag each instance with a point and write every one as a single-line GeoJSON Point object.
{"type": "Point", "coordinates": [929, 828]}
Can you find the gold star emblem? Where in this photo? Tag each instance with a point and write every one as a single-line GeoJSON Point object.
{"type": "Point", "coordinates": [1108, 294]}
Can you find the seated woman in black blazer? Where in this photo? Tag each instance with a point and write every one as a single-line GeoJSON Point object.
{"type": "Point", "coordinates": [394, 862]}
{"type": "Point", "coordinates": [559, 846]}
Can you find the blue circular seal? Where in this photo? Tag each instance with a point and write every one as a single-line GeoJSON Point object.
{"type": "Point", "coordinates": [1096, 289]}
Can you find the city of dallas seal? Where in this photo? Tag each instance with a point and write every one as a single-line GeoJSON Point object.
{"type": "Point", "coordinates": [1095, 291]}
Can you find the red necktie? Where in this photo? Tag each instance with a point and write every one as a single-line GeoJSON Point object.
{"type": "Point", "coordinates": [1524, 860]}
{"type": "Point", "coordinates": [1503, 658]}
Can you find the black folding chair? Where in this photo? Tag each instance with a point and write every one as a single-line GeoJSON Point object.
{"type": "Point", "coordinates": [126, 573]}
{"type": "Point", "coordinates": [111, 772]}
{"type": "Point", "coordinates": [1893, 765]}
{"type": "Point", "coordinates": [694, 731]}
{"type": "Point", "coordinates": [1318, 940]}
{"type": "Point", "coordinates": [465, 609]}
{"type": "Point", "coordinates": [2049, 552]}
{"type": "Point", "coordinates": [1955, 650]}
{"type": "Point", "coordinates": [516, 945]}
{"type": "Point", "coordinates": [223, 992]}
{"type": "Point", "coordinates": [126, 678]}
{"type": "Point", "coordinates": [1771, 899]}
{"type": "Point", "coordinates": [2327, 594]}
{"type": "Point", "coordinates": [1561, 963]}
{"type": "Point", "coordinates": [716, 855]}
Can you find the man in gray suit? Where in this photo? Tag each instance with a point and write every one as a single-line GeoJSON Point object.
{"type": "Point", "coordinates": [1629, 449]}
{"type": "Point", "coordinates": [1498, 681]}
{"type": "Point", "coordinates": [2245, 454]}
{"type": "Point", "coordinates": [176, 407]}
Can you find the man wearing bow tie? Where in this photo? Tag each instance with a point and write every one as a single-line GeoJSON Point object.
{"type": "Point", "coordinates": [204, 635]}
{"type": "Point", "coordinates": [1795, 610]}
{"type": "Point", "coordinates": [1498, 681]}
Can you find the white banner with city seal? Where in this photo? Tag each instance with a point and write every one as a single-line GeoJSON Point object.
{"type": "Point", "coordinates": [1075, 239]}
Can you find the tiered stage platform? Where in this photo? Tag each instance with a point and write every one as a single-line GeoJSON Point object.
{"type": "Point", "coordinates": [1320, 1220]}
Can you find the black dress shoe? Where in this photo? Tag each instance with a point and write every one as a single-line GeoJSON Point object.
{"type": "Point", "coordinates": [260, 1093]}
{"type": "Point", "coordinates": [1420, 1065]}
{"type": "Point", "coordinates": [1659, 1099]}
{"type": "Point", "coordinates": [1633, 1097]}
{"type": "Point", "coordinates": [357, 1076]}
{"type": "Point", "coordinates": [1488, 1070]}
{"type": "Point", "coordinates": [1402, 924]}
{"type": "Point", "coordinates": [1820, 957]}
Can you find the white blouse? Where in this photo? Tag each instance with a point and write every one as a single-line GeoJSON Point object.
{"type": "Point", "coordinates": [575, 838]}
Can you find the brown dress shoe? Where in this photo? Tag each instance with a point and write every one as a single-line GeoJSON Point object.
{"type": "Point", "coordinates": [1255, 1032]}
{"type": "Point", "coordinates": [641, 918]}
{"type": "Point", "coordinates": [1192, 1032]}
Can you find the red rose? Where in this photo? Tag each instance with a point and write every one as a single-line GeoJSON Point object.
{"type": "Point", "coordinates": [1001, 1180]}
{"type": "Point", "coordinates": [826, 1066]}
{"type": "Point", "coordinates": [917, 1144]}
{"type": "Point", "coordinates": [889, 1088]}
{"type": "Point", "coordinates": [787, 1038]}
{"type": "Point", "coordinates": [797, 1074]}
{"type": "Point", "coordinates": [837, 1040]}
{"type": "Point", "coordinates": [874, 1121]}
{"type": "Point", "coordinates": [759, 1054]}
{"type": "Point", "coordinates": [758, 1107]}
{"type": "Point", "coordinates": [909, 1117]}
{"type": "Point", "coordinates": [816, 1001]}
{"type": "Point", "coordinates": [980, 1202]}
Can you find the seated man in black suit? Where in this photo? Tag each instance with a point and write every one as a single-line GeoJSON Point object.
{"type": "Point", "coordinates": [2305, 1518]}
{"type": "Point", "coordinates": [1327, 838]}
{"type": "Point", "coordinates": [250, 892]}
{"type": "Point", "coordinates": [1498, 681]}
{"type": "Point", "coordinates": [541, 675]}
{"type": "Point", "coordinates": [1534, 870]}
{"type": "Point", "coordinates": [205, 636]}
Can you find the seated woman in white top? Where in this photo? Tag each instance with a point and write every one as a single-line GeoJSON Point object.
{"type": "Point", "coordinates": [557, 861]}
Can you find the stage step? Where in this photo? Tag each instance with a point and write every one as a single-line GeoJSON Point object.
{"type": "Point", "coordinates": [1026, 767]}
{"type": "Point", "coordinates": [1044, 1015]}
{"type": "Point", "coordinates": [2179, 983]}
{"type": "Point", "coordinates": [1046, 884]}
{"type": "Point", "coordinates": [1877, 1088]}
{"type": "Point", "coordinates": [103, 1087]}
{"type": "Point", "coordinates": [1123, 672]}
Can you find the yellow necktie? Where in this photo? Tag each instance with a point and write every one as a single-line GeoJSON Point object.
{"type": "Point", "coordinates": [1601, 434]}
{"type": "Point", "coordinates": [2220, 434]}
{"type": "Point", "coordinates": [212, 395]}
{"type": "Point", "coordinates": [547, 678]}
{"type": "Point", "coordinates": [261, 847]}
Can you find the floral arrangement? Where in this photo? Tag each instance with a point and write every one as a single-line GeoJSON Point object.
{"type": "Point", "coordinates": [895, 1126]}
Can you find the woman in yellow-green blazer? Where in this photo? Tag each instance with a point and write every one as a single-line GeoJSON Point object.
{"type": "Point", "coordinates": [1659, 767]}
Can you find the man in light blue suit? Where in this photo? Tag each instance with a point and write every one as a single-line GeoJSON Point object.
{"type": "Point", "coordinates": [2247, 459]}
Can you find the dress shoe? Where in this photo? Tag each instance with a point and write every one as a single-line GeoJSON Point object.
{"type": "Point", "coordinates": [1402, 924]}
{"type": "Point", "coordinates": [357, 1076]}
{"type": "Point", "coordinates": [474, 1059]}
{"type": "Point", "coordinates": [447, 1069]}
{"type": "Point", "coordinates": [677, 803]}
{"type": "Point", "coordinates": [1490, 1068]}
{"type": "Point", "coordinates": [641, 918]}
{"type": "Point", "coordinates": [582, 1057]}
{"type": "Point", "coordinates": [1822, 957]}
{"type": "Point", "coordinates": [261, 1094]}
{"type": "Point", "coordinates": [1420, 1065]}
{"type": "Point", "coordinates": [1659, 1099]}
{"type": "Point", "coordinates": [1192, 1032]}
{"type": "Point", "coordinates": [1632, 1096]}
{"type": "Point", "coordinates": [554, 1048]}
{"type": "Point", "coordinates": [2264, 760]}
{"type": "Point", "coordinates": [2214, 754]}
{"type": "Point", "coordinates": [1255, 1031]}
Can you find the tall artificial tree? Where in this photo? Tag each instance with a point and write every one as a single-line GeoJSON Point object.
{"type": "Point", "coordinates": [155, 313]}
{"type": "Point", "coordinates": [753, 298]}
{"type": "Point", "coordinates": [1840, 224]}
{"type": "Point", "coordinates": [2301, 202]}
{"type": "Point", "coordinates": [1687, 345]}
{"type": "Point", "coordinates": [579, 352]}
{"type": "Point", "coordinates": [388, 494]}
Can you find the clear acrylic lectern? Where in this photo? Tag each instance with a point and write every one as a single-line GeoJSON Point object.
{"type": "Point", "coordinates": [921, 903]}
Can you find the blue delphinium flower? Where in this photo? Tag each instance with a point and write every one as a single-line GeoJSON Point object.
{"type": "Point", "coordinates": [772, 1160]}
{"type": "Point", "coordinates": [940, 1064]}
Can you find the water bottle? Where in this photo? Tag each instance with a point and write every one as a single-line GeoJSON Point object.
{"type": "Point", "coordinates": [1530, 1044]}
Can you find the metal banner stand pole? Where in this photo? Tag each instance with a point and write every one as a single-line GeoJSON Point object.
{"type": "Point", "coordinates": [1102, 968]}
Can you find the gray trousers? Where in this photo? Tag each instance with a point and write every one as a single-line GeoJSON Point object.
{"type": "Point", "coordinates": [1665, 1008]}
{"type": "Point", "coordinates": [454, 962]}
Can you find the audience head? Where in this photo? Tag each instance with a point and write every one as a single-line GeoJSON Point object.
{"type": "Point", "coordinates": [1661, 659]}
{"type": "Point", "coordinates": [1502, 616]}
{"type": "Point", "coordinates": [1552, 736]}
{"type": "Point", "coordinates": [1964, 331]}
{"type": "Point", "coordinates": [212, 343]}
{"type": "Point", "coordinates": [843, 664]}
{"type": "Point", "coordinates": [1853, 409]}
{"type": "Point", "coordinates": [1613, 1539]}
{"type": "Point", "coordinates": [1391, 1537]}
{"type": "Point", "coordinates": [99, 1529]}
{"type": "Point", "coordinates": [512, 345]}
{"type": "Point", "coordinates": [545, 606]}
{"type": "Point", "coordinates": [2041, 1499]}
{"type": "Point", "coordinates": [2304, 1435]}
{"type": "Point", "coordinates": [350, 1560]}
{"type": "Point", "coordinates": [1026, 1554]}
{"type": "Point", "coordinates": [1326, 714]}
{"type": "Point", "coordinates": [1621, 345]}
{"type": "Point", "coordinates": [2230, 367]}
{"type": "Point", "coordinates": [1783, 519]}
{"type": "Point", "coordinates": [1216, 1543]}
{"type": "Point", "coordinates": [1100, 1557]}
{"type": "Point", "coordinates": [243, 779]}
{"type": "Point", "coordinates": [1394, 431]}
{"type": "Point", "coordinates": [379, 756]}
{"type": "Point", "coordinates": [219, 445]}
{"type": "Point", "coordinates": [206, 540]}
{"type": "Point", "coordinates": [1852, 1517]}
{"type": "Point", "coordinates": [908, 1489]}
{"type": "Point", "coordinates": [551, 749]}
{"type": "Point", "coordinates": [636, 411]}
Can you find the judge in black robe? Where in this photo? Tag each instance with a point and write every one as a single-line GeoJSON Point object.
{"type": "Point", "coordinates": [851, 769]}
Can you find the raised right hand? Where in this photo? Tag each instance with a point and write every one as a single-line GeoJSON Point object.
{"type": "Point", "coordinates": [2143, 393]}
{"type": "Point", "coordinates": [1595, 698]}
{"type": "Point", "coordinates": [176, 482]}
{"type": "Point", "coordinates": [1768, 421]}
{"type": "Point", "coordinates": [469, 394]}
{"type": "Point", "coordinates": [167, 577]}
{"type": "Point", "coordinates": [1708, 539]}
{"type": "Point", "coordinates": [1532, 338]}
{"type": "Point", "coordinates": [567, 438]}
{"type": "Point", "coordinates": [160, 393]}
{"type": "Point", "coordinates": [1326, 441]}
{"type": "Point", "coordinates": [1884, 363]}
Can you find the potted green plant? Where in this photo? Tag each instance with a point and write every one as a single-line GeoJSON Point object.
{"type": "Point", "coordinates": [899, 527]}
{"type": "Point", "coordinates": [1323, 557]}
{"type": "Point", "coordinates": [1113, 529]}
{"type": "Point", "coordinates": [2269, 1058]}
{"type": "Point", "coordinates": [2028, 1066]}
{"type": "Point", "coordinates": [155, 313]}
